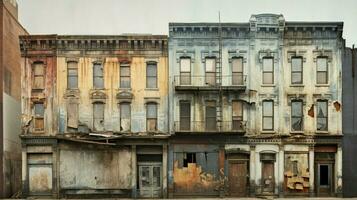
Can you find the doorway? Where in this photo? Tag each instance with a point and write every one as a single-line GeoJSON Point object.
{"type": "Point", "coordinates": [324, 179]}
{"type": "Point", "coordinates": [237, 178]}
{"type": "Point", "coordinates": [150, 180]}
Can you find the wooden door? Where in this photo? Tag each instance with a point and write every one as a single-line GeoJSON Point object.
{"type": "Point", "coordinates": [150, 181]}
{"type": "Point", "coordinates": [268, 176]}
{"type": "Point", "coordinates": [324, 179]}
{"type": "Point", "coordinates": [238, 178]}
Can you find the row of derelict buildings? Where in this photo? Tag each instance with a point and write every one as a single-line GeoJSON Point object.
{"type": "Point", "coordinates": [212, 109]}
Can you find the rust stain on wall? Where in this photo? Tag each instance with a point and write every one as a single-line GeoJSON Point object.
{"type": "Point", "coordinates": [337, 106]}
{"type": "Point", "coordinates": [311, 112]}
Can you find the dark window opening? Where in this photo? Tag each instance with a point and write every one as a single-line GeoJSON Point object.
{"type": "Point", "coordinates": [324, 175]}
{"type": "Point", "coordinates": [189, 158]}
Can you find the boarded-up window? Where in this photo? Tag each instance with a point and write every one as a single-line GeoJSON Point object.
{"type": "Point", "coordinates": [98, 76]}
{"type": "Point", "coordinates": [98, 116]}
{"type": "Point", "coordinates": [185, 115]}
{"type": "Point", "coordinates": [151, 116]}
{"type": "Point", "coordinates": [268, 70]}
{"type": "Point", "coordinates": [322, 71]}
{"type": "Point", "coordinates": [185, 71]}
{"type": "Point", "coordinates": [297, 120]}
{"type": "Point", "coordinates": [210, 71]}
{"type": "Point", "coordinates": [151, 75]}
{"type": "Point", "coordinates": [296, 70]}
{"type": "Point", "coordinates": [7, 82]}
{"type": "Point", "coordinates": [322, 115]}
{"type": "Point", "coordinates": [72, 115]}
{"type": "Point", "coordinates": [72, 75]}
{"type": "Point", "coordinates": [125, 116]}
{"type": "Point", "coordinates": [211, 123]}
{"type": "Point", "coordinates": [125, 76]}
{"type": "Point", "coordinates": [39, 111]}
{"type": "Point", "coordinates": [237, 71]}
{"type": "Point", "coordinates": [237, 115]}
{"type": "Point", "coordinates": [268, 115]}
{"type": "Point", "coordinates": [38, 76]}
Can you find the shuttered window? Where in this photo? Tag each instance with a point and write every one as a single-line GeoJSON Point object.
{"type": "Point", "coordinates": [268, 70]}
{"type": "Point", "coordinates": [185, 115]}
{"type": "Point", "coordinates": [322, 115]}
{"type": "Point", "coordinates": [185, 71]}
{"type": "Point", "coordinates": [322, 71]}
{"type": "Point", "coordinates": [125, 116]}
{"type": "Point", "coordinates": [296, 70]}
{"type": "Point", "coordinates": [268, 115]}
{"type": "Point", "coordinates": [237, 115]}
{"type": "Point", "coordinates": [38, 76]}
{"type": "Point", "coordinates": [211, 121]}
{"type": "Point", "coordinates": [98, 76]}
{"type": "Point", "coordinates": [151, 75]}
{"type": "Point", "coordinates": [151, 117]}
{"type": "Point", "coordinates": [98, 116]}
{"type": "Point", "coordinates": [72, 75]}
{"type": "Point", "coordinates": [297, 115]}
{"type": "Point", "coordinates": [125, 76]}
{"type": "Point", "coordinates": [39, 111]}
{"type": "Point", "coordinates": [237, 71]}
{"type": "Point", "coordinates": [210, 71]}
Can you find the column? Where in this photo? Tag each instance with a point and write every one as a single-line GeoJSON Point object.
{"type": "Point", "coordinates": [24, 175]}
{"type": "Point", "coordinates": [281, 171]}
{"type": "Point", "coordinates": [252, 167]}
{"type": "Point", "coordinates": [338, 180]}
{"type": "Point", "coordinates": [134, 171]}
{"type": "Point", "coordinates": [164, 171]}
{"type": "Point", "coordinates": [311, 171]}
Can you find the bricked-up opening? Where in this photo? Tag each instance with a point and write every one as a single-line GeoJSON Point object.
{"type": "Point", "coordinates": [189, 158]}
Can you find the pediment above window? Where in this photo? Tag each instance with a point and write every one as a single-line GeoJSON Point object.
{"type": "Point", "coordinates": [98, 95]}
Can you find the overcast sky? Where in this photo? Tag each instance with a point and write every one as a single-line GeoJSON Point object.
{"type": "Point", "coordinates": [152, 16]}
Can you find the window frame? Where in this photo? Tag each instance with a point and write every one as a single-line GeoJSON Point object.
{"type": "Point", "coordinates": [324, 117]}
{"type": "Point", "coordinates": [207, 124]}
{"type": "Point", "coordinates": [297, 72]}
{"type": "Point", "coordinates": [98, 76]}
{"type": "Point", "coordinates": [151, 63]}
{"type": "Point", "coordinates": [69, 75]}
{"type": "Point", "coordinates": [94, 116]}
{"type": "Point", "coordinates": [188, 76]}
{"type": "Point", "coordinates": [151, 118]}
{"type": "Point", "coordinates": [268, 116]}
{"type": "Point", "coordinates": [238, 118]}
{"type": "Point", "coordinates": [268, 72]}
{"type": "Point", "coordinates": [188, 117]}
{"type": "Point", "coordinates": [121, 76]}
{"type": "Point", "coordinates": [326, 72]}
{"type": "Point", "coordinates": [34, 75]}
{"type": "Point", "coordinates": [121, 114]}
{"type": "Point", "coordinates": [296, 116]}
{"type": "Point", "coordinates": [238, 73]}
{"type": "Point", "coordinates": [214, 77]}
{"type": "Point", "coordinates": [41, 117]}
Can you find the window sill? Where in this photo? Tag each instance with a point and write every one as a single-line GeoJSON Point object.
{"type": "Point", "coordinates": [38, 132]}
{"type": "Point", "coordinates": [268, 85]}
{"type": "Point", "coordinates": [152, 89]}
{"type": "Point", "coordinates": [322, 132]}
{"type": "Point", "coordinates": [128, 89]}
{"type": "Point", "coordinates": [268, 132]}
{"type": "Point", "coordinates": [296, 132]}
{"type": "Point", "coordinates": [322, 85]}
{"type": "Point", "coordinates": [297, 85]}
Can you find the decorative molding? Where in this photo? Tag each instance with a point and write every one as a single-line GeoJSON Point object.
{"type": "Point", "coordinates": [237, 54]}
{"type": "Point", "coordinates": [291, 97]}
{"type": "Point", "coordinates": [322, 53]}
{"type": "Point", "coordinates": [185, 53]}
{"type": "Point", "coordinates": [98, 95]}
{"type": "Point", "coordinates": [124, 96]}
{"type": "Point", "coordinates": [268, 53]}
{"type": "Point", "coordinates": [296, 53]}
{"type": "Point", "coordinates": [209, 54]}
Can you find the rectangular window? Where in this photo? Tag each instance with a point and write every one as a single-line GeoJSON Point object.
{"type": "Point", "coordinates": [39, 111]}
{"type": "Point", "coordinates": [151, 117]}
{"type": "Point", "coordinates": [7, 82]}
{"type": "Point", "coordinates": [268, 115]}
{"type": "Point", "coordinates": [98, 116]}
{"type": "Point", "coordinates": [296, 70]}
{"type": "Point", "coordinates": [237, 115]}
{"type": "Point", "coordinates": [211, 123]}
{"type": "Point", "coordinates": [185, 71]}
{"type": "Point", "coordinates": [125, 116]}
{"type": "Point", "coordinates": [268, 70]}
{"type": "Point", "coordinates": [322, 71]}
{"type": "Point", "coordinates": [151, 75]}
{"type": "Point", "coordinates": [322, 115]}
{"type": "Point", "coordinates": [210, 71]}
{"type": "Point", "coordinates": [185, 115]}
{"type": "Point", "coordinates": [189, 158]}
{"type": "Point", "coordinates": [72, 115]}
{"type": "Point", "coordinates": [125, 76]}
{"type": "Point", "coordinates": [38, 76]}
{"type": "Point", "coordinates": [237, 71]}
{"type": "Point", "coordinates": [98, 76]}
{"type": "Point", "coordinates": [297, 120]}
{"type": "Point", "coordinates": [72, 75]}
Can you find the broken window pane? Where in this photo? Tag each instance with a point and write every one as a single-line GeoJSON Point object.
{"type": "Point", "coordinates": [98, 116]}
{"type": "Point", "coordinates": [38, 75]}
{"type": "Point", "coordinates": [322, 115]}
{"type": "Point", "coordinates": [72, 75]}
{"type": "Point", "coordinates": [185, 71]}
{"type": "Point", "coordinates": [211, 115]}
{"type": "Point", "coordinates": [151, 116]}
{"type": "Point", "coordinates": [72, 115]}
{"type": "Point", "coordinates": [237, 115]}
{"type": "Point", "coordinates": [125, 117]}
{"type": "Point", "coordinates": [296, 70]}
{"type": "Point", "coordinates": [151, 75]}
{"type": "Point", "coordinates": [268, 115]}
{"type": "Point", "coordinates": [189, 158]}
{"type": "Point", "coordinates": [98, 76]}
{"type": "Point", "coordinates": [125, 76]}
{"type": "Point", "coordinates": [322, 70]}
{"type": "Point", "coordinates": [296, 116]}
{"type": "Point", "coordinates": [185, 115]}
{"type": "Point", "coordinates": [268, 70]}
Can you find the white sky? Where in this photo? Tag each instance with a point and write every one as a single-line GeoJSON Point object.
{"type": "Point", "coordinates": [114, 17]}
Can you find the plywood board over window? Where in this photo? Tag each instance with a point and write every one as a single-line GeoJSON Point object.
{"type": "Point", "coordinates": [296, 172]}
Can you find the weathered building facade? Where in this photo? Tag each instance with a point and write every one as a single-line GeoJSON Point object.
{"type": "Point", "coordinates": [10, 99]}
{"type": "Point", "coordinates": [256, 108]}
{"type": "Point", "coordinates": [94, 115]}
